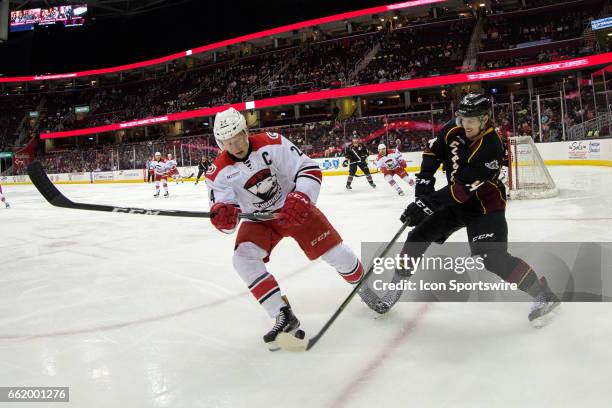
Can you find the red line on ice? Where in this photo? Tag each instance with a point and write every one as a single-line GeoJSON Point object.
{"type": "Point", "coordinates": [375, 363]}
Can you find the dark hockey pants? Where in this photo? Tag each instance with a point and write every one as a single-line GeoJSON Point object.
{"type": "Point", "coordinates": [487, 235]}
{"type": "Point", "coordinates": [200, 172]}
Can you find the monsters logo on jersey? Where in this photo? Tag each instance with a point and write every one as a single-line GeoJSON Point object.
{"type": "Point", "coordinates": [264, 186]}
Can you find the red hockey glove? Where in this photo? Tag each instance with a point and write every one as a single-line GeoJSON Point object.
{"type": "Point", "coordinates": [296, 209]}
{"type": "Point", "coordinates": [224, 216]}
{"type": "Point", "coordinates": [403, 164]}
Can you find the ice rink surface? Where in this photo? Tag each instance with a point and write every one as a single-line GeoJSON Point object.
{"type": "Point", "coordinates": [136, 311]}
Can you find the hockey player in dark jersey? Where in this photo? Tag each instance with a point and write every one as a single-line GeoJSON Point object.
{"type": "Point", "coordinates": [356, 155]}
{"type": "Point", "coordinates": [472, 154]}
{"type": "Point", "coordinates": [203, 166]}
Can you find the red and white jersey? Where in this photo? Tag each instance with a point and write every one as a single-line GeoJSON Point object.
{"type": "Point", "coordinates": [273, 168]}
{"type": "Point", "coordinates": [389, 161]}
{"type": "Point", "coordinates": [160, 167]}
{"type": "Point", "coordinates": [171, 164]}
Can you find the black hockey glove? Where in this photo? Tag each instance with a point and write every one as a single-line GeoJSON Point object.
{"type": "Point", "coordinates": [416, 212]}
{"type": "Point", "coordinates": [345, 163]}
{"type": "Point", "coordinates": [424, 186]}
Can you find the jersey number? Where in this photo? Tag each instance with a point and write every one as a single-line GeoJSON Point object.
{"type": "Point", "coordinates": [298, 151]}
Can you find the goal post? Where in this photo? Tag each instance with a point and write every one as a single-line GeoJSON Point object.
{"type": "Point", "coordinates": [528, 176]}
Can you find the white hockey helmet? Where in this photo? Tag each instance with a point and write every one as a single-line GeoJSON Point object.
{"type": "Point", "coordinates": [228, 123]}
{"type": "Point", "coordinates": [157, 154]}
{"type": "Point", "coordinates": [382, 146]}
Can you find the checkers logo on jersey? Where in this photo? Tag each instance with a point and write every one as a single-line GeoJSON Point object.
{"type": "Point", "coordinates": [211, 170]}
{"type": "Point", "coordinates": [264, 185]}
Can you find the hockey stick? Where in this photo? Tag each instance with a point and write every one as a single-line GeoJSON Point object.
{"type": "Point", "coordinates": [288, 341]}
{"type": "Point", "coordinates": [56, 198]}
{"type": "Point", "coordinates": [363, 175]}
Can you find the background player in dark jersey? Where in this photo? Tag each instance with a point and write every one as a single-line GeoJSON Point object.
{"type": "Point", "coordinates": [356, 155]}
{"type": "Point", "coordinates": [203, 166]}
{"type": "Point", "coordinates": [472, 154]}
{"type": "Point", "coordinates": [150, 170]}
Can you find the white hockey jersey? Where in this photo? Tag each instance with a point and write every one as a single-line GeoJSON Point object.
{"type": "Point", "coordinates": [171, 164]}
{"type": "Point", "coordinates": [389, 161]}
{"type": "Point", "coordinates": [273, 168]}
{"type": "Point", "coordinates": [160, 167]}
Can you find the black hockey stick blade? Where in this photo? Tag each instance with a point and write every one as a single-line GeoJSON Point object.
{"type": "Point", "coordinates": [364, 175]}
{"type": "Point", "coordinates": [56, 198]}
{"type": "Point", "coordinates": [289, 342]}
{"type": "Point", "coordinates": [45, 186]}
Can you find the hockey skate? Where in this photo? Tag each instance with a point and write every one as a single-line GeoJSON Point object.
{"type": "Point", "coordinates": [7, 204]}
{"type": "Point", "coordinates": [156, 195]}
{"type": "Point", "coordinates": [348, 187]}
{"type": "Point", "coordinates": [372, 185]}
{"type": "Point", "coordinates": [372, 300]}
{"type": "Point", "coordinates": [166, 194]}
{"type": "Point", "coordinates": [285, 322]}
{"type": "Point", "coordinates": [543, 306]}
{"type": "Point", "coordinates": [401, 193]}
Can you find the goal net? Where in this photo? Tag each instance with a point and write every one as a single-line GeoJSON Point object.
{"type": "Point", "coordinates": [528, 176]}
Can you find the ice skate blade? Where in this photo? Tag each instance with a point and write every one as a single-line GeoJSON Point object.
{"type": "Point", "coordinates": [546, 319]}
{"type": "Point", "coordinates": [273, 346]}
{"type": "Point", "coordinates": [289, 342]}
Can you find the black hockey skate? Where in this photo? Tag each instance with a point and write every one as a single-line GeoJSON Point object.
{"type": "Point", "coordinates": [544, 303]}
{"type": "Point", "coordinates": [285, 322]}
{"type": "Point", "coordinates": [372, 185]}
{"type": "Point", "coordinates": [156, 195]}
{"type": "Point", "coordinates": [166, 194]}
{"type": "Point", "coordinates": [372, 300]}
{"type": "Point", "coordinates": [7, 204]}
{"type": "Point", "coordinates": [348, 187]}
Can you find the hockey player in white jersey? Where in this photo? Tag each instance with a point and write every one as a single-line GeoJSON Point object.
{"type": "Point", "coordinates": [266, 172]}
{"type": "Point", "coordinates": [391, 163]}
{"type": "Point", "coordinates": [3, 199]}
{"type": "Point", "coordinates": [173, 169]}
{"type": "Point", "coordinates": [161, 175]}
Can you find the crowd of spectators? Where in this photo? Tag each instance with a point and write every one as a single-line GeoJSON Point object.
{"type": "Point", "coordinates": [504, 32]}
{"type": "Point", "coordinates": [419, 52]}
{"type": "Point", "coordinates": [187, 151]}
{"type": "Point", "coordinates": [409, 132]}
{"type": "Point", "coordinates": [325, 64]}
{"type": "Point", "coordinates": [318, 139]}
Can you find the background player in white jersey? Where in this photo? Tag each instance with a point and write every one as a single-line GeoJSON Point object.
{"type": "Point", "coordinates": [391, 163]}
{"type": "Point", "coordinates": [266, 172]}
{"type": "Point", "coordinates": [172, 169]}
{"type": "Point", "coordinates": [161, 175]}
{"type": "Point", "coordinates": [3, 199]}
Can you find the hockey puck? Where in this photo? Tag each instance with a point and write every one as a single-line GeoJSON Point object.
{"type": "Point", "coordinates": [300, 334]}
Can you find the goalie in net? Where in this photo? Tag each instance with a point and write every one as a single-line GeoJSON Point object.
{"type": "Point", "coordinates": [527, 175]}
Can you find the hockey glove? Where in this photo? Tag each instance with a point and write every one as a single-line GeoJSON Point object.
{"type": "Point", "coordinates": [296, 209]}
{"type": "Point", "coordinates": [424, 186]}
{"type": "Point", "coordinates": [224, 216]}
{"type": "Point", "coordinates": [345, 163]}
{"type": "Point", "coordinates": [416, 212]}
